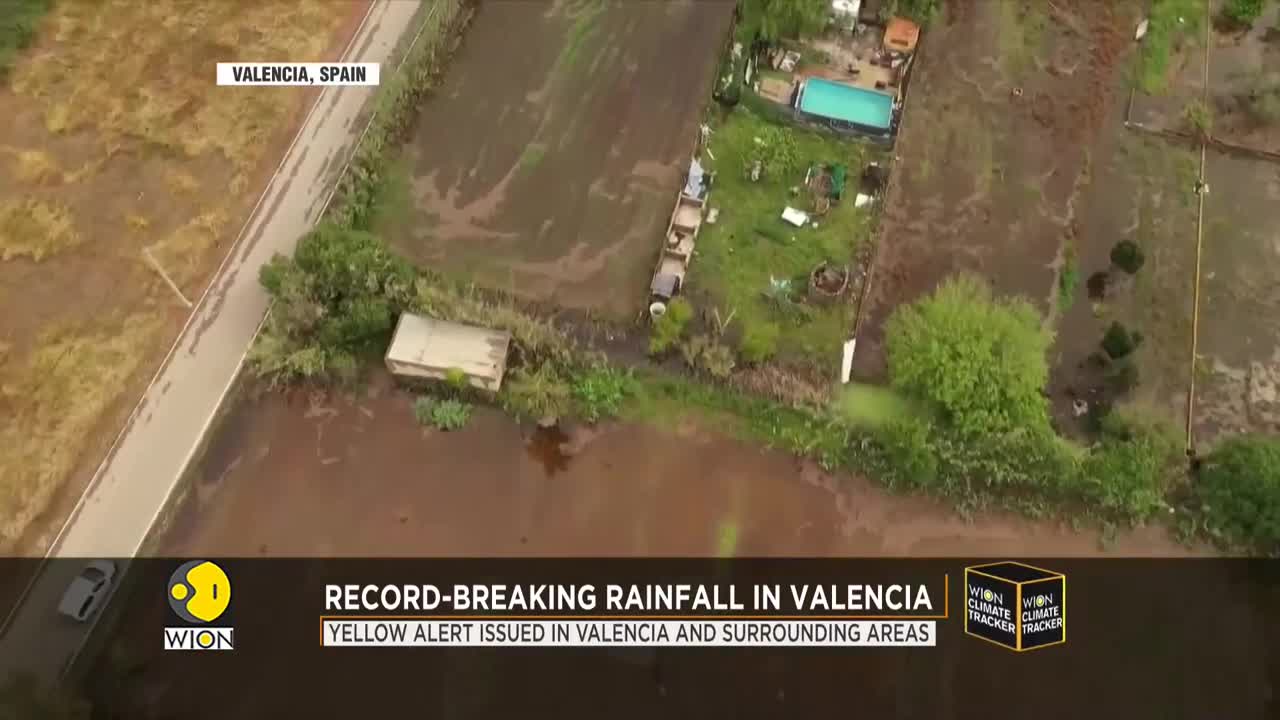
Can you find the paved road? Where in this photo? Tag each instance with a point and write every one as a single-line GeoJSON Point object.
{"type": "Point", "coordinates": [139, 474]}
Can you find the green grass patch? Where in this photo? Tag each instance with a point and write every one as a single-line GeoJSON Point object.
{"type": "Point", "coordinates": [1172, 22]}
{"type": "Point", "coordinates": [584, 14]}
{"type": "Point", "coordinates": [754, 264]}
{"type": "Point", "coordinates": [447, 415]}
{"type": "Point", "coordinates": [1022, 28]}
{"type": "Point", "coordinates": [19, 21]}
{"type": "Point", "coordinates": [532, 156]}
{"type": "Point", "coordinates": [874, 406]}
{"type": "Point", "coordinates": [1068, 278]}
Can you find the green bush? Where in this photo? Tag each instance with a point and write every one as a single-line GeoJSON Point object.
{"type": "Point", "coordinates": [538, 393]}
{"type": "Point", "coordinates": [979, 360]}
{"type": "Point", "coordinates": [759, 342]}
{"type": "Point", "coordinates": [334, 300]}
{"type": "Point", "coordinates": [910, 454]}
{"type": "Point", "coordinates": [600, 392]}
{"type": "Point", "coordinates": [1127, 478]}
{"type": "Point", "coordinates": [1243, 12]}
{"type": "Point", "coordinates": [1128, 256]}
{"type": "Point", "coordinates": [446, 415]}
{"type": "Point", "coordinates": [717, 361]}
{"type": "Point", "coordinates": [670, 327]}
{"type": "Point", "coordinates": [704, 354]}
{"type": "Point", "coordinates": [1119, 342]}
{"type": "Point", "coordinates": [1238, 489]}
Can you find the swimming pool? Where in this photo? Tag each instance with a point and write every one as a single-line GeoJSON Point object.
{"type": "Point", "coordinates": [846, 103]}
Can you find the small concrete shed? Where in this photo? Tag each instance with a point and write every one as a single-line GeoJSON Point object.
{"type": "Point", "coordinates": [424, 347]}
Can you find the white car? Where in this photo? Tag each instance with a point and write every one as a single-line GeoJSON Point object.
{"type": "Point", "coordinates": [87, 590]}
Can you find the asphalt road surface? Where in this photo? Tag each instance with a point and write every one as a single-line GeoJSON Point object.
{"type": "Point", "coordinates": [135, 481]}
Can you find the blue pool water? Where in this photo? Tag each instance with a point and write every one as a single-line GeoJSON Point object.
{"type": "Point", "coordinates": [850, 104]}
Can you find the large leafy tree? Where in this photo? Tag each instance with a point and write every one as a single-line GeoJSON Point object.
{"type": "Point", "coordinates": [979, 359]}
{"type": "Point", "coordinates": [1239, 491]}
{"type": "Point", "coordinates": [336, 297]}
{"type": "Point", "coordinates": [777, 19]}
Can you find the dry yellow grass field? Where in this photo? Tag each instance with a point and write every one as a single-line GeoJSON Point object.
{"type": "Point", "coordinates": [114, 139]}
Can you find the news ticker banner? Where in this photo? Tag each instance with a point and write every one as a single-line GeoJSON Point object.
{"type": "Point", "coordinates": [342, 605]}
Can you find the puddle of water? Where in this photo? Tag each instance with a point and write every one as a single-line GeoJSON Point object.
{"type": "Point", "coordinates": [547, 447]}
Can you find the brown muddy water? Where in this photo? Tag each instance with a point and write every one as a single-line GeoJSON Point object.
{"type": "Point", "coordinates": [314, 476]}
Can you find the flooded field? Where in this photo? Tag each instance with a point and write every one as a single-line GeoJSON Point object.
{"type": "Point", "coordinates": [312, 477]}
{"type": "Point", "coordinates": [1001, 112]}
{"type": "Point", "coordinates": [356, 476]}
{"type": "Point", "coordinates": [548, 160]}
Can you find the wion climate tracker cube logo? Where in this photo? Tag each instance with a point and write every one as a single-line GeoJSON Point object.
{"type": "Point", "coordinates": [1019, 606]}
{"type": "Point", "coordinates": [199, 593]}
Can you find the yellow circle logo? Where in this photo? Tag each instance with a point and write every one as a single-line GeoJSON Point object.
{"type": "Point", "coordinates": [1040, 601]}
{"type": "Point", "coordinates": [988, 595]}
{"type": "Point", "coordinates": [199, 592]}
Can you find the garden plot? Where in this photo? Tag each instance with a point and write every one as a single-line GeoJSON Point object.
{"type": "Point", "coordinates": [1142, 192]}
{"type": "Point", "coordinates": [756, 267]}
{"type": "Point", "coordinates": [1238, 385]}
{"type": "Point", "coordinates": [548, 160]}
{"type": "Point", "coordinates": [1000, 115]}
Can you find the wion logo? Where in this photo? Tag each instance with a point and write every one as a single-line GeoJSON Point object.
{"type": "Point", "coordinates": [1015, 605]}
{"type": "Point", "coordinates": [199, 593]}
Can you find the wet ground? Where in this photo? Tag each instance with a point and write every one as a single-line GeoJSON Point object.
{"type": "Point", "coordinates": [1238, 386]}
{"type": "Point", "coordinates": [313, 477]}
{"type": "Point", "coordinates": [305, 476]}
{"type": "Point", "coordinates": [1003, 107]}
{"type": "Point", "coordinates": [1141, 190]}
{"type": "Point", "coordinates": [1238, 365]}
{"type": "Point", "coordinates": [1242, 61]}
{"type": "Point", "coordinates": [548, 160]}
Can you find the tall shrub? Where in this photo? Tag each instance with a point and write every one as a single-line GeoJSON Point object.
{"type": "Point", "coordinates": [980, 360]}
